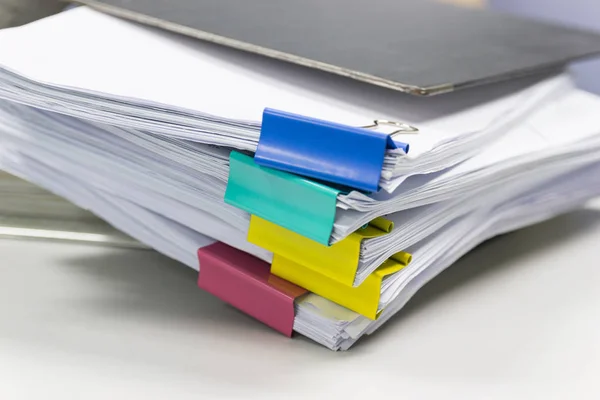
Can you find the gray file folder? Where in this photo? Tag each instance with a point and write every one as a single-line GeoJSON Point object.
{"type": "Point", "coordinates": [414, 46]}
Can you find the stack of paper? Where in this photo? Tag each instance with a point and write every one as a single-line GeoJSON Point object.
{"type": "Point", "coordinates": [156, 134]}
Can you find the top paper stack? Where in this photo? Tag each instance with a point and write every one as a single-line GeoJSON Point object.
{"type": "Point", "coordinates": [316, 203]}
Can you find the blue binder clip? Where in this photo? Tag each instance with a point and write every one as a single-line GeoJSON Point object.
{"type": "Point", "coordinates": [331, 152]}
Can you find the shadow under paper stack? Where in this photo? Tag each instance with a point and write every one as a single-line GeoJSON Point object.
{"type": "Point", "coordinates": [30, 212]}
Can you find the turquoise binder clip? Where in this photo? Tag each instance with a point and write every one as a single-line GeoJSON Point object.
{"type": "Point", "coordinates": [298, 204]}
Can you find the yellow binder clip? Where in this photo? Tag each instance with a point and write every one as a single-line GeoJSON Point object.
{"type": "Point", "coordinates": [363, 299]}
{"type": "Point", "coordinates": [338, 261]}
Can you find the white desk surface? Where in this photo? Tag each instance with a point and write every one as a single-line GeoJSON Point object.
{"type": "Point", "coordinates": [518, 318]}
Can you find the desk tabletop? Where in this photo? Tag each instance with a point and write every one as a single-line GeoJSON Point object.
{"type": "Point", "coordinates": [519, 317]}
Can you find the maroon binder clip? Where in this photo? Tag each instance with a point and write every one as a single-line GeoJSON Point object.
{"type": "Point", "coordinates": [246, 283]}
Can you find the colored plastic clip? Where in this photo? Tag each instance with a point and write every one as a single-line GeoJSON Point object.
{"type": "Point", "coordinates": [328, 151]}
{"type": "Point", "coordinates": [363, 299]}
{"type": "Point", "coordinates": [245, 282]}
{"type": "Point", "coordinates": [339, 261]}
{"type": "Point", "coordinates": [298, 204]}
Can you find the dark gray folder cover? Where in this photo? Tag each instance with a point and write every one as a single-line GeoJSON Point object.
{"type": "Point", "coordinates": [415, 46]}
